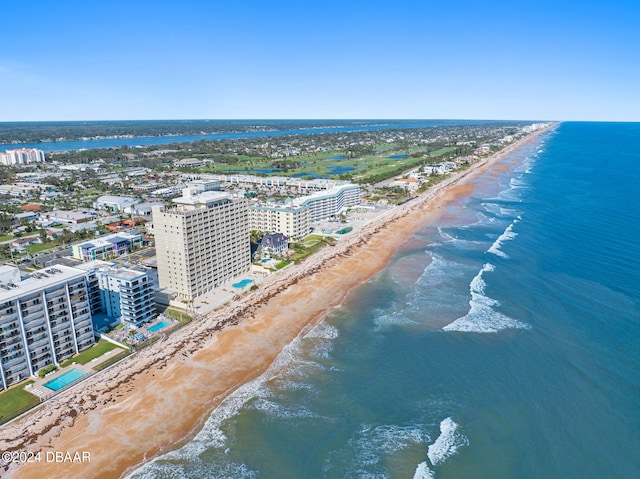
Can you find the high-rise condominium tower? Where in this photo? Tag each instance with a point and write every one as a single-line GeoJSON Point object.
{"type": "Point", "coordinates": [202, 240]}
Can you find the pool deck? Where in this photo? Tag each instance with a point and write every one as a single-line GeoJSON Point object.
{"type": "Point", "coordinates": [39, 389]}
{"type": "Point", "coordinates": [223, 294]}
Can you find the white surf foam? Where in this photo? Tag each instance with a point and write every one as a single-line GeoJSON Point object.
{"type": "Point", "coordinates": [516, 183]}
{"type": "Point", "coordinates": [395, 318]}
{"type": "Point", "coordinates": [510, 212]}
{"type": "Point", "coordinates": [276, 410]}
{"type": "Point", "coordinates": [440, 271]}
{"type": "Point", "coordinates": [323, 330]}
{"type": "Point", "coordinates": [444, 235]}
{"type": "Point", "coordinates": [483, 218]}
{"type": "Point", "coordinates": [449, 238]}
{"type": "Point", "coordinates": [372, 446]}
{"type": "Point", "coordinates": [482, 318]}
{"type": "Point", "coordinates": [447, 443]}
{"type": "Point", "coordinates": [226, 468]}
{"type": "Point", "coordinates": [507, 235]}
{"type": "Point", "coordinates": [423, 471]}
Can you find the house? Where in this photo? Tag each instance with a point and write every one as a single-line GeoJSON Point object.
{"type": "Point", "coordinates": [437, 169]}
{"type": "Point", "coordinates": [188, 163]}
{"type": "Point", "coordinates": [115, 203]}
{"type": "Point", "coordinates": [19, 245]}
{"type": "Point", "coordinates": [71, 217]}
{"type": "Point", "coordinates": [31, 207]}
{"type": "Point", "coordinates": [272, 243]}
{"type": "Point", "coordinates": [27, 216]}
{"type": "Point", "coordinates": [409, 184]}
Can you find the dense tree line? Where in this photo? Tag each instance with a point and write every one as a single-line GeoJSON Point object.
{"type": "Point", "coordinates": [34, 132]}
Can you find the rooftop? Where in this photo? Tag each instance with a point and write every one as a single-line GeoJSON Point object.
{"type": "Point", "coordinates": [109, 240]}
{"type": "Point", "coordinates": [189, 198]}
{"type": "Point", "coordinates": [39, 280]}
{"type": "Point", "coordinates": [94, 265]}
{"type": "Point", "coordinates": [127, 274]}
{"type": "Point", "coordinates": [324, 194]}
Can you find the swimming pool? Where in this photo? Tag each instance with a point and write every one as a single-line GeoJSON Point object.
{"type": "Point", "coordinates": [158, 327]}
{"type": "Point", "coordinates": [242, 283]}
{"type": "Point", "coordinates": [64, 380]}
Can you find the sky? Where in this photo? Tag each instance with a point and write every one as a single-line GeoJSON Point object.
{"type": "Point", "coordinates": [319, 59]}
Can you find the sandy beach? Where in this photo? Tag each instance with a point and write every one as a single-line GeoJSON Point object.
{"type": "Point", "coordinates": [157, 399]}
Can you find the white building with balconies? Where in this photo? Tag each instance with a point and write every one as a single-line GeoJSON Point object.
{"type": "Point", "coordinates": [44, 319]}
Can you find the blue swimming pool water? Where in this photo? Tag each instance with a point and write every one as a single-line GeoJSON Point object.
{"type": "Point", "coordinates": [64, 380]}
{"type": "Point", "coordinates": [158, 327]}
{"type": "Point", "coordinates": [242, 283]}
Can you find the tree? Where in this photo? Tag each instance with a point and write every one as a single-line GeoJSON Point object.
{"type": "Point", "coordinates": [67, 235]}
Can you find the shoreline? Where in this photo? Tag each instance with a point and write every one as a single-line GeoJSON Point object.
{"type": "Point", "coordinates": [157, 400]}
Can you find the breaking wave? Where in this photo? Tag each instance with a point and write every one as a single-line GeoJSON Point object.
{"type": "Point", "coordinates": [423, 471]}
{"type": "Point", "coordinates": [482, 318]}
{"type": "Point", "coordinates": [370, 449]}
{"type": "Point", "coordinates": [447, 443]}
{"type": "Point", "coordinates": [507, 235]}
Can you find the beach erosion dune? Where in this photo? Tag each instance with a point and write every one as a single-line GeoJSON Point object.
{"type": "Point", "coordinates": [158, 398]}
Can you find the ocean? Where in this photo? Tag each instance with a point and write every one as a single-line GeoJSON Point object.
{"type": "Point", "coordinates": [501, 341]}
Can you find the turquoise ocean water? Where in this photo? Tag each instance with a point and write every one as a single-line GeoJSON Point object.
{"type": "Point", "coordinates": [502, 341]}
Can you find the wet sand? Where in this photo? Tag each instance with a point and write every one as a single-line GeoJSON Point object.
{"type": "Point", "coordinates": [156, 400]}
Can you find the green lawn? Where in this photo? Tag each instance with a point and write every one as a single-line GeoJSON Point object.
{"type": "Point", "coordinates": [442, 151]}
{"type": "Point", "coordinates": [312, 239]}
{"type": "Point", "coordinates": [89, 192]}
{"type": "Point", "coordinates": [36, 248]}
{"type": "Point", "coordinates": [318, 164]}
{"type": "Point", "coordinates": [6, 238]}
{"type": "Point", "coordinates": [180, 316]}
{"type": "Point", "coordinates": [302, 253]}
{"type": "Point", "coordinates": [93, 352]}
{"type": "Point", "coordinates": [112, 360]}
{"type": "Point", "coordinates": [15, 401]}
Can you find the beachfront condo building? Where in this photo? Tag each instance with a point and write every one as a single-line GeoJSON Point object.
{"type": "Point", "coordinates": [330, 203]}
{"type": "Point", "coordinates": [126, 296]}
{"type": "Point", "coordinates": [44, 319]}
{"type": "Point", "coordinates": [202, 241]}
{"type": "Point", "coordinates": [290, 220]}
{"type": "Point", "coordinates": [22, 156]}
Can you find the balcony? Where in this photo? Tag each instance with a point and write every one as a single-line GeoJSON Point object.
{"type": "Point", "coordinates": [35, 332]}
{"type": "Point", "coordinates": [65, 354]}
{"type": "Point", "coordinates": [57, 327]}
{"type": "Point", "coordinates": [39, 356]}
{"type": "Point", "coordinates": [12, 362]}
{"type": "Point", "coordinates": [83, 324]}
{"type": "Point", "coordinates": [41, 341]}
{"type": "Point", "coordinates": [56, 307]}
{"type": "Point", "coordinates": [12, 342]}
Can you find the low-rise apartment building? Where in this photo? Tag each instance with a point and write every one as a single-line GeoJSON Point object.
{"type": "Point", "coordinates": [107, 247]}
